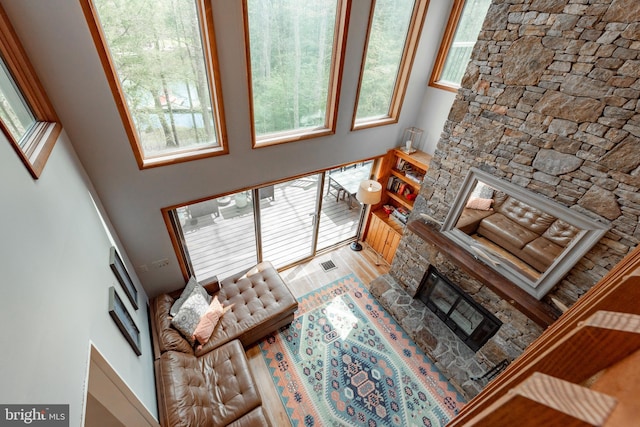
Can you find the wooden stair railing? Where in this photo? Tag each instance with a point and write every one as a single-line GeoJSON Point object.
{"type": "Point", "coordinates": [596, 335]}
{"type": "Point", "coordinates": [542, 400]}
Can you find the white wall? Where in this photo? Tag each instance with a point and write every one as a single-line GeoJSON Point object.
{"type": "Point", "coordinates": [57, 39]}
{"type": "Point", "coordinates": [54, 268]}
{"type": "Point", "coordinates": [436, 103]}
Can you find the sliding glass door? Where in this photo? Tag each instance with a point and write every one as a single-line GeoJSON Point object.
{"type": "Point", "coordinates": [218, 235]}
{"type": "Point", "coordinates": [340, 213]}
{"type": "Point", "coordinates": [288, 226]}
{"type": "Point", "coordinates": [282, 223]}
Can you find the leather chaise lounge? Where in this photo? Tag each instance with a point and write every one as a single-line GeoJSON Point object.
{"type": "Point", "coordinates": [212, 384]}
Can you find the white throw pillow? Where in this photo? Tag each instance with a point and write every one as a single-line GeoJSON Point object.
{"type": "Point", "coordinates": [188, 317]}
{"type": "Point", "coordinates": [192, 287]}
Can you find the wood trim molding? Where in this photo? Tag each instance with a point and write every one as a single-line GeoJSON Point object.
{"type": "Point", "coordinates": [416, 23]}
{"type": "Point", "coordinates": [35, 152]}
{"type": "Point", "coordinates": [445, 45]}
{"type": "Point", "coordinates": [208, 38]}
{"type": "Point", "coordinates": [537, 311]}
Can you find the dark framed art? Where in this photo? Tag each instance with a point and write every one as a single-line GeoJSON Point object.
{"type": "Point", "coordinates": [118, 268]}
{"type": "Point", "coordinates": [123, 319]}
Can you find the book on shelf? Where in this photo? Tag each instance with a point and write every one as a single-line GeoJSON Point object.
{"type": "Point", "coordinates": [401, 214]}
{"type": "Point", "coordinates": [414, 176]}
{"type": "Point", "coordinates": [398, 220]}
{"type": "Point", "coordinates": [402, 188]}
{"type": "Point", "coordinates": [394, 184]}
{"type": "Point", "coordinates": [403, 211]}
{"type": "Point", "coordinates": [398, 186]}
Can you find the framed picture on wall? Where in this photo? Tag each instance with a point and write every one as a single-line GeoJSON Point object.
{"type": "Point", "coordinates": [123, 319]}
{"type": "Point", "coordinates": [118, 268]}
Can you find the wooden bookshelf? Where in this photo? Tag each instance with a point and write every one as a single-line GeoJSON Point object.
{"type": "Point", "coordinates": [406, 171]}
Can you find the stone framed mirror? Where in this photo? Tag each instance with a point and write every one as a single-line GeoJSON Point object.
{"type": "Point", "coordinates": [531, 240]}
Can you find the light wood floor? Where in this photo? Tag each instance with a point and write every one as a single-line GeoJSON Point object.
{"type": "Point", "coordinates": [303, 279]}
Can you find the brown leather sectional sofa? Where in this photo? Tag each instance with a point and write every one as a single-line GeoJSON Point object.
{"type": "Point", "coordinates": [213, 386]}
{"type": "Point", "coordinates": [534, 236]}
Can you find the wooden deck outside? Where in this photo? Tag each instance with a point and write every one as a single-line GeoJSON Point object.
{"type": "Point", "coordinates": [225, 244]}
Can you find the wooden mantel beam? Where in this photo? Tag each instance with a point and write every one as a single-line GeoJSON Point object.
{"type": "Point", "coordinates": [538, 311]}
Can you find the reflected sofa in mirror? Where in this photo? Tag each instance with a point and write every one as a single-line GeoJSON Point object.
{"type": "Point", "coordinates": [531, 240]}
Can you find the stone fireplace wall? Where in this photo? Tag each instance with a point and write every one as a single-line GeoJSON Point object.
{"type": "Point", "coordinates": [550, 102]}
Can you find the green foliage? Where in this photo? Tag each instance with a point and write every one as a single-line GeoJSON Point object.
{"type": "Point", "coordinates": [467, 31]}
{"type": "Point", "coordinates": [387, 39]}
{"type": "Point", "coordinates": [158, 54]}
{"type": "Point", "coordinates": [291, 46]}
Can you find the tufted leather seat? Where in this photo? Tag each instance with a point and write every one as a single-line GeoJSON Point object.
{"type": "Point", "coordinates": [534, 236]}
{"type": "Point", "coordinates": [259, 303]}
{"type": "Point", "coordinates": [213, 390]}
{"type": "Point", "coordinates": [212, 386]}
{"type": "Point", "coordinates": [505, 232]}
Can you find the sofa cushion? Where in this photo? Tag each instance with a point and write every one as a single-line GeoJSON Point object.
{"type": "Point", "coordinates": [232, 389]}
{"type": "Point", "coordinates": [470, 218]}
{"type": "Point", "coordinates": [561, 233]}
{"type": "Point", "coordinates": [479, 203]}
{"type": "Point", "coordinates": [540, 253]}
{"type": "Point", "coordinates": [255, 304]}
{"type": "Point", "coordinates": [192, 287]}
{"type": "Point", "coordinates": [213, 390]}
{"type": "Point", "coordinates": [504, 232]}
{"type": "Point", "coordinates": [166, 337]}
{"type": "Point", "coordinates": [189, 316]}
{"type": "Point", "coordinates": [254, 418]}
{"type": "Point", "coordinates": [208, 322]}
{"type": "Point", "coordinates": [525, 215]}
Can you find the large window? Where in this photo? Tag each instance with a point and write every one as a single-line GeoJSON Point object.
{"type": "Point", "coordinates": [461, 34]}
{"type": "Point", "coordinates": [26, 117]}
{"type": "Point", "coordinates": [394, 31]}
{"type": "Point", "coordinates": [159, 57]}
{"type": "Point", "coordinates": [295, 52]}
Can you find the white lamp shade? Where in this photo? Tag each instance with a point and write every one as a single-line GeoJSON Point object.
{"type": "Point", "coordinates": [369, 192]}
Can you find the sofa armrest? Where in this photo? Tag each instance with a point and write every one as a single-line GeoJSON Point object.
{"type": "Point", "coordinates": [211, 285]}
{"type": "Point", "coordinates": [264, 265]}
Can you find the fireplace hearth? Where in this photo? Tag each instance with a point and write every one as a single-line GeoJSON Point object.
{"type": "Point", "coordinates": [471, 322]}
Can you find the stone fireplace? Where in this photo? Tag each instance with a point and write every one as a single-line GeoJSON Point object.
{"type": "Point", "coordinates": [470, 321]}
{"type": "Point", "coordinates": [550, 103]}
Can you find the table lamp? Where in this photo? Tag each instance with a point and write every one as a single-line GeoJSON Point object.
{"type": "Point", "coordinates": [369, 193]}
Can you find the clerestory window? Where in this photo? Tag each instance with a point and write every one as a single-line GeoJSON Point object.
{"type": "Point", "coordinates": [460, 36]}
{"type": "Point", "coordinates": [160, 60]}
{"type": "Point", "coordinates": [295, 54]}
{"type": "Point", "coordinates": [27, 118]}
{"type": "Point", "coordinates": [392, 39]}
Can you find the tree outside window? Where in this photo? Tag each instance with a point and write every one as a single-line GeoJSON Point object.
{"type": "Point", "coordinates": [461, 34]}
{"type": "Point", "coordinates": [161, 66]}
{"type": "Point", "coordinates": [295, 54]}
{"type": "Point", "coordinates": [27, 118]}
{"type": "Point", "coordinates": [394, 31]}
{"type": "Point", "coordinates": [15, 113]}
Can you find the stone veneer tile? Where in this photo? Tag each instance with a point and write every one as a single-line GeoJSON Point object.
{"type": "Point", "coordinates": [550, 102]}
{"type": "Point", "coordinates": [455, 360]}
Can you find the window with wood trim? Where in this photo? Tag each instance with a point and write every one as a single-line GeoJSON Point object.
{"type": "Point", "coordinates": [295, 52]}
{"type": "Point", "coordinates": [392, 40]}
{"type": "Point", "coordinates": [461, 34]}
{"type": "Point", "coordinates": [160, 60]}
{"type": "Point", "coordinates": [26, 116]}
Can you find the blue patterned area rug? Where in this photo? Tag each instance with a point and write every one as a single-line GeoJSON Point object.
{"type": "Point", "coordinates": [344, 361]}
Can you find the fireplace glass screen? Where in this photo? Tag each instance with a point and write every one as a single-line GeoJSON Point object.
{"type": "Point", "coordinates": [472, 323]}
